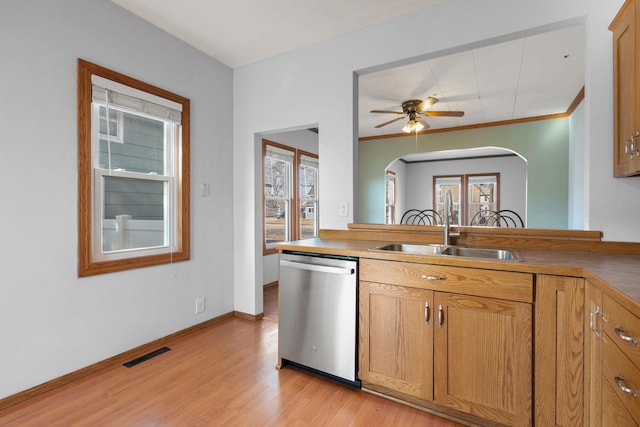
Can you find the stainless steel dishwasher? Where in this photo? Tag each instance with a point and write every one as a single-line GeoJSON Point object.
{"type": "Point", "coordinates": [318, 314]}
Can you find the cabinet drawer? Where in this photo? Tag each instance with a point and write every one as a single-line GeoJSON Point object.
{"type": "Point", "coordinates": [622, 327]}
{"type": "Point", "coordinates": [613, 411]}
{"type": "Point", "coordinates": [470, 281]}
{"type": "Point", "coordinates": [618, 372]}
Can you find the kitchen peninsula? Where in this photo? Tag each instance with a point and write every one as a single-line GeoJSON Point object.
{"type": "Point", "coordinates": [534, 341]}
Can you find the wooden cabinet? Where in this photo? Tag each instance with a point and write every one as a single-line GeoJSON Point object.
{"type": "Point", "coordinates": [430, 336]}
{"type": "Point", "coordinates": [593, 356]}
{"type": "Point", "coordinates": [620, 360]}
{"type": "Point", "coordinates": [612, 358]}
{"type": "Point", "coordinates": [626, 72]}
{"type": "Point", "coordinates": [396, 338]}
{"type": "Point", "coordinates": [559, 351]}
{"type": "Point", "coordinates": [483, 357]}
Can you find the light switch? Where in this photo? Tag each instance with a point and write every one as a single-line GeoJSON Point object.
{"type": "Point", "coordinates": [344, 209]}
{"type": "Point", "coordinates": [204, 190]}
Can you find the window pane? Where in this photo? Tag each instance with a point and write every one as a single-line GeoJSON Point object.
{"type": "Point", "coordinates": [442, 185]}
{"type": "Point", "coordinates": [308, 180]}
{"type": "Point", "coordinates": [134, 214]}
{"type": "Point", "coordinates": [308, 219]}
{"type": "Point", "coordinates": [276, 224]}
{"type": "Point", "coordinates": [141, 148]}
{"type": "Point", "coordinates": [482, 194]}
{"type": "Point", "coordinates": [276, 177]}
{"type": "Point", "coordinates": [390, 198]}
{"type": "Point", "coordinates": [114, 128]}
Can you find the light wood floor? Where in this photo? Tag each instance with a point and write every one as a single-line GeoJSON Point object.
{"type": "Point", "coordinates": [222, 375]}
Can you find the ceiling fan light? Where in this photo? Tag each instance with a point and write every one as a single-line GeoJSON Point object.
{"type": "Point", "coordinates": [408, 127]}
{"type": "Point", "coordinates": [412, 125]}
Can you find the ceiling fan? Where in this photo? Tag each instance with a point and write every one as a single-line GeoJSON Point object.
{"type": "Point", "coordinates": [415, 109]}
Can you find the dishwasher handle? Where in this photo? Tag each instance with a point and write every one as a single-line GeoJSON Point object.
{"type": "Point", "coordinates": [347, 271]}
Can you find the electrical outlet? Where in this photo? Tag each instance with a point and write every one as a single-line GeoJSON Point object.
{"type": "Point", "coordinates": [200, 305]}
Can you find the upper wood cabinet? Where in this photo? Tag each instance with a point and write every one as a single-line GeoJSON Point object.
{"type": "Point", "coordinates": [626, 90]}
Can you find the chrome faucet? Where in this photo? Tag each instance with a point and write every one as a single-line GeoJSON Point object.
{"type": "Point", "coordinates": [448, 207]}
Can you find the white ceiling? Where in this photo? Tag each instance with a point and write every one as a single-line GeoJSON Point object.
{"type": "Point", "coordinates": [534, 76]}
{"type": "Point", "coordinates": [241, 32]}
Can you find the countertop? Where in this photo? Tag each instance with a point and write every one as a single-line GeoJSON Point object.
{"type": "Point", "coordinates": [616, 275]}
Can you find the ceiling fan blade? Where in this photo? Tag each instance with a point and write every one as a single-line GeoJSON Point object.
{"type": "Point", "coordinates": [389, 122]}
{"type": "Point", "coordinates": [443, 113]}
{"type": "Point", "coordinates": [385, 111]}
{"type": "Point", "coordinates": [423, 122]}
{"type": "Point", "coordinates": [427, 103]}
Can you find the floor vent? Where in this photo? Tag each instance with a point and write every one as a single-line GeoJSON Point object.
{"type": "Point", "coordinates": [141, 359]}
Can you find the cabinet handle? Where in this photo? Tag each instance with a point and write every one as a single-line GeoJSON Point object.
{"type": "Point", "coordinates": [637, 136]}
{"type": "Point", "coordinates": [426, 313]}
{"type": "Point", "coordinates": [620, 331]}
{"type": "Point", "coordinates": [440, 316]}
{"type": "Point", "coordinates": [619, 380]}
{"type": "Point", "coordinates": [591, 323]}
{"type": "Point", "coordinates": [629, 147]}
{"type": "Point", "coordinates": [427, 277]}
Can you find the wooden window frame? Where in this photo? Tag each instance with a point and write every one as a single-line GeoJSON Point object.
{"type": "Point", "coordinates": [87, 266]}
{"type": "Point", "coordinates": [464, 193]}
{"type": "Point", "coordinates": [294, 203]}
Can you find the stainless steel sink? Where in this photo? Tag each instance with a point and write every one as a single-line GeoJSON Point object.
{"type": "Point", "coordinates": [412, 249]}
{"type": "Point", "coordinates": [458, 251]}
{"type": "Point", "coordinates": [485, 253]}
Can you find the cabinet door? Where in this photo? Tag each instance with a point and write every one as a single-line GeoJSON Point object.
{"type": "Point", "coordinates": [396, 338]}
{"type": "Point", "coordinates": [593, 356]}
{"type": "Point", "coordinates": [559, 353]}
{"type": "Point", "coordinates": [626, 162]}
{"type": "Point", "coordinates": [483, 357]}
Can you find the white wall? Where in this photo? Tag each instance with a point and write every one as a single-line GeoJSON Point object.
{"type": "Point", "coordinates": [577, 160]}
{"type": "Point", "coordinates": [315, 85]}
{"type": "Point", "coordinates": [302, 140]}
{"type": "Point", "coordinates": [53, 322]}
{"type": "Point", "coordinates": [513, 180]}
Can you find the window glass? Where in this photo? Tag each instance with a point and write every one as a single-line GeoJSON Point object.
{"type": "Point", "coordinates": [482, 194]}
{"type": "Point", "coordinates": [390, 197]}
{"type": "Point", "coordinates": [278, 165]}
{"type": "Point", "coordinates": [453, 183]}
{"type": "Point", "coordinates": [133, 206]}
{"type": "Point", "coordinates": [141, 147]}
{"type": "Point", "coordinates": [115, 124]}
